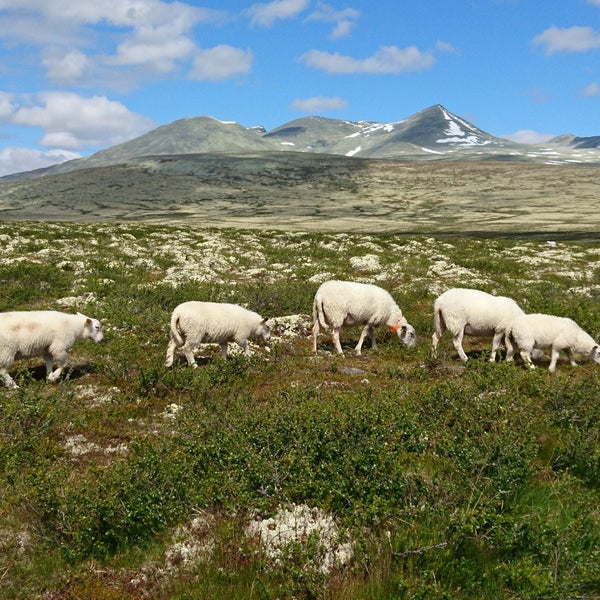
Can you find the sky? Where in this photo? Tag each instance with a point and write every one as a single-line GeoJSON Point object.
{"type": "Point", "coordinates": [78, 76]}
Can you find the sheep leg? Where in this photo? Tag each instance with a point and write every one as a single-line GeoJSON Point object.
{"type": "Point", "coordinates": [188, 352]}
{"type": "Point", "coordinates": [244, 346]}
{"type": "Point", "coordinates": [553, 358]}
{"type": "Point", "coordinates": [440, 327]}
{"type": "Point", "coordinates": [9, 382]}
{"type": "Point", "coordinates": [510, 349]}
{"type": "Point", "coordinates": [570, 356]}
{"type": "Point", "coordinates": [435, 340]}
{"type": "Point", "coordinates": [526, 356]}
{"type": "Point", "coordinates": [496, 344]}
{"type": "Point", "coordinates": [367, 329]}
{"type": "Point", "coordinates": [316, 329]}
{"type": "Point", "coordinates": [224, 349]}
{"type": "Point", "coordinates": [60, 360]}
{"type": "Point", "coordinates": [372, 334]}
{"type": "Point", "coordinates": [335, 334]}
{"type": "Point", "coordinates": [457, 341]}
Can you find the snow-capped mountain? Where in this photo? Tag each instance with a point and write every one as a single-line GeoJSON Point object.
{"type": "Point", "coordinates": [433, 133]}
{"type": "Point", "coordinates": [432, 130]}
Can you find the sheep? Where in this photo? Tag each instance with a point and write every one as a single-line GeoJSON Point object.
{"type": "Point", "coordinates": [194, 323]}
{"type": "Point", "coordinates": [47, 333]}
{"type": "Point", "coordinates": [472, 312]}
{"type": "Point", "coordinates": [339, 303]}
{"type": "Point", "coordinates": [539, 331]}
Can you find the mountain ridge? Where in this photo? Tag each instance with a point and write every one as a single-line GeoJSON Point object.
{"type": "Point", "coordinates": [431, 134]}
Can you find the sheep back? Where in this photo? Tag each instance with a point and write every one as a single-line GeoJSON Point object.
{"type": "Point", "coordinates": [31, 333]}
{"type": "Point", "coordinates": [340, 303]}
{"type": "Point", "coordinates": [215, 322]}
{"type": "Point", "coordinates": [549, 331]}
{"type": "Point", "coordinates": [475, 311]}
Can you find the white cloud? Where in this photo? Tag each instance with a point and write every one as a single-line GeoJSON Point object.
{"type": "Point", "coordinates": [132, 14]}
{"type": "Point", "coordinates": [65, 67]}
{"type": "Point", "coordinates": [342, 29]}
{"type": "Point", "coordinates": [265, 14]}
{"type": "Point", "coordinates": [318, 104]}
{"type": "Point", "coordinates": [7, 106]}
{"type": "Point", "coordinates": [17, 160]}
{"type": "Point", "coordinates": [528, 136]}
{"type": "Point", "coordinates": [344, 20]}
{"type": "Point", "coordinates": [221, 62]}
{"type": "Point", "coordinates": [80, 38]}
{"type": "Point", "coordinates": [71, 121]}
{"type": "Point", "coordinates": [571, 39]}
{"type": "Point", "coordinates": [591, 90]}
{"type": "Point", "coordinates": [446, 47]}
{"type": "Point", "coordinates": [387, 60]}
{"type": "Point", "coordinates": [157, 48]}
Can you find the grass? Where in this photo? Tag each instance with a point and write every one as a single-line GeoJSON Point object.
{"type": "Point", "coordinates": [449, 480]}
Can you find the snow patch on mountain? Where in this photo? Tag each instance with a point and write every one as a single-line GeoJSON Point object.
{"type": "Point", "coordinates": [456, 134]}
{"type": "Point", "coordinates": [368, 127]}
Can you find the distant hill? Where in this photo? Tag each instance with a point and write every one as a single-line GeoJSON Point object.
{"type": "Point", "coordinates": [572, 141]}
{"type": "Point", "coordinates": [431, 134]}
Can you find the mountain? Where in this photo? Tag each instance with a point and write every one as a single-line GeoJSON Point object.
{"type": "Point", "coordinates": [185, 136]}
{"type": "Point", "coordinates": [433, 129]}
{"type": "Point", "coordinates": [431, 134]}
{"type": "Point", "coordinates": [586, 142]}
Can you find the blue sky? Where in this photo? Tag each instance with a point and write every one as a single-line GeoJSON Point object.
{"type": "Point", "coordinates": [80, 76]}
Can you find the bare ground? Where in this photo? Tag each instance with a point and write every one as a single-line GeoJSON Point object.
{"type": "Point", "coordinates": [311, 192]}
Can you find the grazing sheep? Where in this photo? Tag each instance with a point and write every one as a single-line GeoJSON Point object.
{"type": "Point", "coordinates": [339, 303]}
{"type": "Point", "coordinates": [194, 323]}
{"type": "Point", "coordinates": [46, 333]}
{"type": "Point", "coordinates": [472, 312]}
{"type": "Point", "coordinates": [538, 331]}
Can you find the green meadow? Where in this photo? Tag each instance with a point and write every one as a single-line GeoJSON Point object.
{"type": "Point", "coordinates": [285, 475]}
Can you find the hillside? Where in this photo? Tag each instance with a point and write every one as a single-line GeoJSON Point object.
{"type": "Point", "coordinates": [305, 191]}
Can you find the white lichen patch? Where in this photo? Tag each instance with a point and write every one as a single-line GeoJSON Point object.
{"type": "Point", "coordinates": [78, 445]}
{"type": "Point", "coordinates": [368, 262]}
{"type": "Point", "coordinates": [14, 542]}
{"type": "Point", "coordinates": [95, 395]}
{"type": "Point", "coordinates": [320, 277]}
{"type": "Point", "coordinates": [191, 544]}
{"type": "Point", "coordinates": [77, 301]}
{"type": "Point", "coordinates": [172, 411]}
{"type": "Point", "coordinates": [289, 327]}
{"type": "Point", "coordinates": [442, 273]}
{"type": "Point", "coordinates": [295, 525]}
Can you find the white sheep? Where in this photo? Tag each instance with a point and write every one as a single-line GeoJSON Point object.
{"type": "Point", "coordinates": [339, 303]}
{"type": "Point", "coordinates": [194, 323]}
{"type": "Point", "coordinates": [46, 333]}
{"type": "Point", "coordinates": [539, 331]}
{"type": "Point", "coordinates": [472, 312]}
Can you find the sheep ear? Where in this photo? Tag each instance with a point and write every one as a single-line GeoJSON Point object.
{"type": "Point", "coordinates": [264, 321]}
{"type": "Point", "coordinates": [88, 321]}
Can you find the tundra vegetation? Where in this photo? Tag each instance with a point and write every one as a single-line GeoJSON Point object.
{"type": "Point", "coordinates": [394, 474]}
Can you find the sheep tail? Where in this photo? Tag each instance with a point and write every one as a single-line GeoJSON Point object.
{"type": "Point", "coordinates": [439, 323]}
{"type": "Point", "coordinates": [319, 313]}
{"type": "Point", "coordinates": [177, 334]}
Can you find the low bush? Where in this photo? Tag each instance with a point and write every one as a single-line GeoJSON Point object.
{"type": "Point", "coordinates": [449, 479]}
